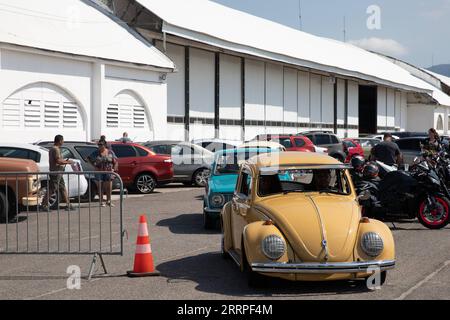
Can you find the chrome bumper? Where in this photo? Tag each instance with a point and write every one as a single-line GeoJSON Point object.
{"type": "Point", "coordinates": [208, 210]}
{"type": "Point", "coordinates": [335, 267]}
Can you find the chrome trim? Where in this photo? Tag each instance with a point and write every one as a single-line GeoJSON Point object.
{"type": "Point", "coordinates": [206, 209]}
{"type": "Point", "coordinates": [336, 267]}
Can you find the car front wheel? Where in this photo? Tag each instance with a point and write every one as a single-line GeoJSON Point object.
{"type": "Point", "coordinates": [145, 183]}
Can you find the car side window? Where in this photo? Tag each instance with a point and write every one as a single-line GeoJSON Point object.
{"type": "Point", "coordinates": [286, 142]}
{"type": "Point", "coordinates": [66, 153]}
{"type": "Point", "coordinates": [299, 142]}
{"type": "Point", "coordinates": [159, 149]}
{"type": "Point", "coordinates": [322, 139]}
{"type": "Point", "coordinates": [245, 187]}
{"type": "Point", "coordinates": [10, 152]}
{"type": "Point", "coordinates": [141, 152]}
{"type": "Point", "coordinates": [123, 151]}
{"type": "Point", "coordinates": [334, 139]}
{"type": "Point", "coordinates": [85, 151]}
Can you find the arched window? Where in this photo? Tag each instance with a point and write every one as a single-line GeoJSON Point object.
{"type": "Point", "coordinates": [440, 123]}
{"type": "Point", "coordinates": [127, 112]}
{"type": "Point", "coordinates": [41, 105]}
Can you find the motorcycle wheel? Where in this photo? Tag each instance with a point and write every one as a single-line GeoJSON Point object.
{"type": "Point", "coordinates": [434, 218]}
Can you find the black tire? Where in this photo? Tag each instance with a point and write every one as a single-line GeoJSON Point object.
{"type": "Point", "coordinates": [3, 206]}
{"type": "Point", "coordinates": [199, 177]}
{"type": "Point", "coordinates": [91, 192]}
{"type": "Point", "coordinates": [444, 205]}
{"type": "Point", "coordinates": [209, 223]}
{"type": "Point", "coordinates": [254, 279]}
{"type": "Point", "coordinates": [145, 183]}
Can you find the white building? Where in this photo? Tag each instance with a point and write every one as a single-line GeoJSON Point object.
{"type": "Point", "coordinates": [239, 75]}
{"type": "Point", "coordinates": [70, 67]}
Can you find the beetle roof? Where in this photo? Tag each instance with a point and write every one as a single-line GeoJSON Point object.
{"type": "Point", "coordinates": [293, 158]}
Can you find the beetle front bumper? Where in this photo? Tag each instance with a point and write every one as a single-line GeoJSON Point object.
{"type": "Point", "coordinates": [334, 267]}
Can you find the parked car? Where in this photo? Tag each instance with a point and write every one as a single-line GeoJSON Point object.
{"type": "Point", "coordinates": [222, 180]}
{"type": "Point", "coordinates": [327, 140]}
{"type": "Point", "coordinates": [352, 148]}
{"type": "Point", "coordinates": [367, 144]}
{"type": "Point", "coordinates": [215, 145]}
{"type": "Point", "coordinates": [76, 186]}
{"type": "Point", "coordinates": [191, 163]}
{"type": "Point", "coordinates": [410, 148]}
{"type": "Point", "coordinates": [289, 141]}
{"type": "Point", "coordinates": [381, 136]}
{"type": "Point", "coordinates": [140, 168]}
{"type": "Point", "coordinates": [263, 144]}
{"type": "Point", "coordinates": [24, 190]}
{"type": "Point", "coordinates": [295, 230]}
{"type": "Point", "coordinates": [81, 150]}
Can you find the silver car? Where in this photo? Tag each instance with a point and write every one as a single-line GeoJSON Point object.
{"type": "Point", "coordinates": [191, 163]}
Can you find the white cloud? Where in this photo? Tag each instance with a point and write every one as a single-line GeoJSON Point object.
{"type": "Point", "coordinates": [385, 46]}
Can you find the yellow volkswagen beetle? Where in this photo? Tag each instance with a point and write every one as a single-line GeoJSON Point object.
{"type": "Point", "coordinates": [295, 215]}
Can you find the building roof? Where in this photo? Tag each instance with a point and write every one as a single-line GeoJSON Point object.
{"type": "Point", "coordinates": [237, 31]}
{"type": "Point", "coordinates": [444, 79]}
{"type": "Point", "coordinates": [77, 27]}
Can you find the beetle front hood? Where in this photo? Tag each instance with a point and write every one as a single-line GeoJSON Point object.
{"type": "Point", "coordinates": [307, 219]}
{"type": "Point", "coordinates": [223, 183]}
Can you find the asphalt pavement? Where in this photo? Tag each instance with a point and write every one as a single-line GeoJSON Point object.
{"type": "Point", "coordinates": [191, 266]}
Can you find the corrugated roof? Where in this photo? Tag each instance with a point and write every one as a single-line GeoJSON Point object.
{"type": "Point", "coordinates": [77, 27]}
{"type": "Point", "coordinates": [444, 79]}
{"type": "Point", "coordinates": [218, 25]}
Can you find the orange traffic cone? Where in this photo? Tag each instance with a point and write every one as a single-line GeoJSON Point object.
{"type": "Point", "coordinates": [143, 258]}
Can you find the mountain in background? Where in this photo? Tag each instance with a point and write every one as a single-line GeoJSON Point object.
{"type": "Point", "coordinates": [443, 69]}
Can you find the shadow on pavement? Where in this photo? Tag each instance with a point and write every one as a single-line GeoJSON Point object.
{"type": "Point", "coordinates": [187, 224]}
{"type": "Point", "coordinates": [213, 274]}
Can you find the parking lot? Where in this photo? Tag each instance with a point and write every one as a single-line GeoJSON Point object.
{"type": "Point", "coordinates": [191, 266]}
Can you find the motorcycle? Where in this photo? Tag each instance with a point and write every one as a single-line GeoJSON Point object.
{"type": "Point", "coordinates": [418, 193]}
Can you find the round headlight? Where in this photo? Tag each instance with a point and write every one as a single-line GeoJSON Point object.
{"type": "Point", "coordinates": [217, 200]}
{"type": "Point", "coordinates": [273, 247]}
{"type": "Point", "coordinates": [372, 244]}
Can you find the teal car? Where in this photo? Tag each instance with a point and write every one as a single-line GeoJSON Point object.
{"type": "Point", "coordinates": [222, 181]}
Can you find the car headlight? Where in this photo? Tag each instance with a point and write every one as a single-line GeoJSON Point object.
{"type": "Point", "coordinates": [372, 244]}
{"type": "Point", "coordinates": [273, 247]}
{"type": "Point", "coordinates": [217, 200]}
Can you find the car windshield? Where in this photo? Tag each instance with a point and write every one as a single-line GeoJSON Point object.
{"type": "Point", "coordinates": [284, 181]}
{"type": "Point", "coordinates": [229, 163]}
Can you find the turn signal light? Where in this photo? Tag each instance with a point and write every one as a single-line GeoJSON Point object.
{"type": "Point", "coordinates": [268, 223]}
{"type": "Point", "coordinates": [364, 220]}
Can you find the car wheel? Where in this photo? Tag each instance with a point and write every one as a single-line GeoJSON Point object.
{"type": "Point", "coordinates": [200, 178]}
{"type": "Point", "coordinates": [145, 183]}
{"type": "Point", "coordinates": [208, 222]}
{"type": "Point", "coordinates": [53, 199]}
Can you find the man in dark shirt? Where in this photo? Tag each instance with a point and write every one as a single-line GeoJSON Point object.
{"type": "Point", "coordinates": [387, 151]}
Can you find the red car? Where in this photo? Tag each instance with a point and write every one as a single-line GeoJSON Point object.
{"type": "Point", "coordinates": [290, 142]}
{"type": "Point", "coordinates": [352, 148]}
{"type": "Point", "coordinates": [140, 168]}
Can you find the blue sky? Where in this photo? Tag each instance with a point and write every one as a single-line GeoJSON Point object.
{"type": "Point", "coordinates": [414, 30]}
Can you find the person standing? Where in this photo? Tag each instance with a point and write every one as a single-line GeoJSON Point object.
{"type": "Point", "coordinates": [56, 182]}
{"type": "Point", "coordinates": [432, 144]}
{"type": "Point", "coordinates": [125, 138]}
{"type": "Point", "coordinates": [104, 160]}
{"type": "Point", "coordinates": [387, 151]}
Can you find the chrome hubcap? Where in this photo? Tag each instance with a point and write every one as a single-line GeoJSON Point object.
{"type": "Point", "coordinates": [200, 178]}
{"type": "Point", "coordinates": [145, 184]}
{"type": "Point", "coordinates": [42, 194]}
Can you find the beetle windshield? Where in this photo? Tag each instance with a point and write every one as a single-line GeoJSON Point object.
{"type": "Point", "coordinates": [286, 181]}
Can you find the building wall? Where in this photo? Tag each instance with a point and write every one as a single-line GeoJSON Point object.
{"type": "Point", "coordinates": [43, 95]}
{"type": "Point", "coordinates": [420, 117]}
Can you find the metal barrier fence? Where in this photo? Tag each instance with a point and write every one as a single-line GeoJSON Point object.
{"type": "Point", "coordinates": [33, 223]}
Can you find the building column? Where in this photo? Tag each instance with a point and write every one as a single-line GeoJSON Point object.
{"type": "Point", "coordinates": [243, 99]}
{"type": "Point", "coordinates": [217, 95]}
{"type": "Point", "coordinates": [186, 93]}
{"type": "Point", "coordinates": [98, 107]}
